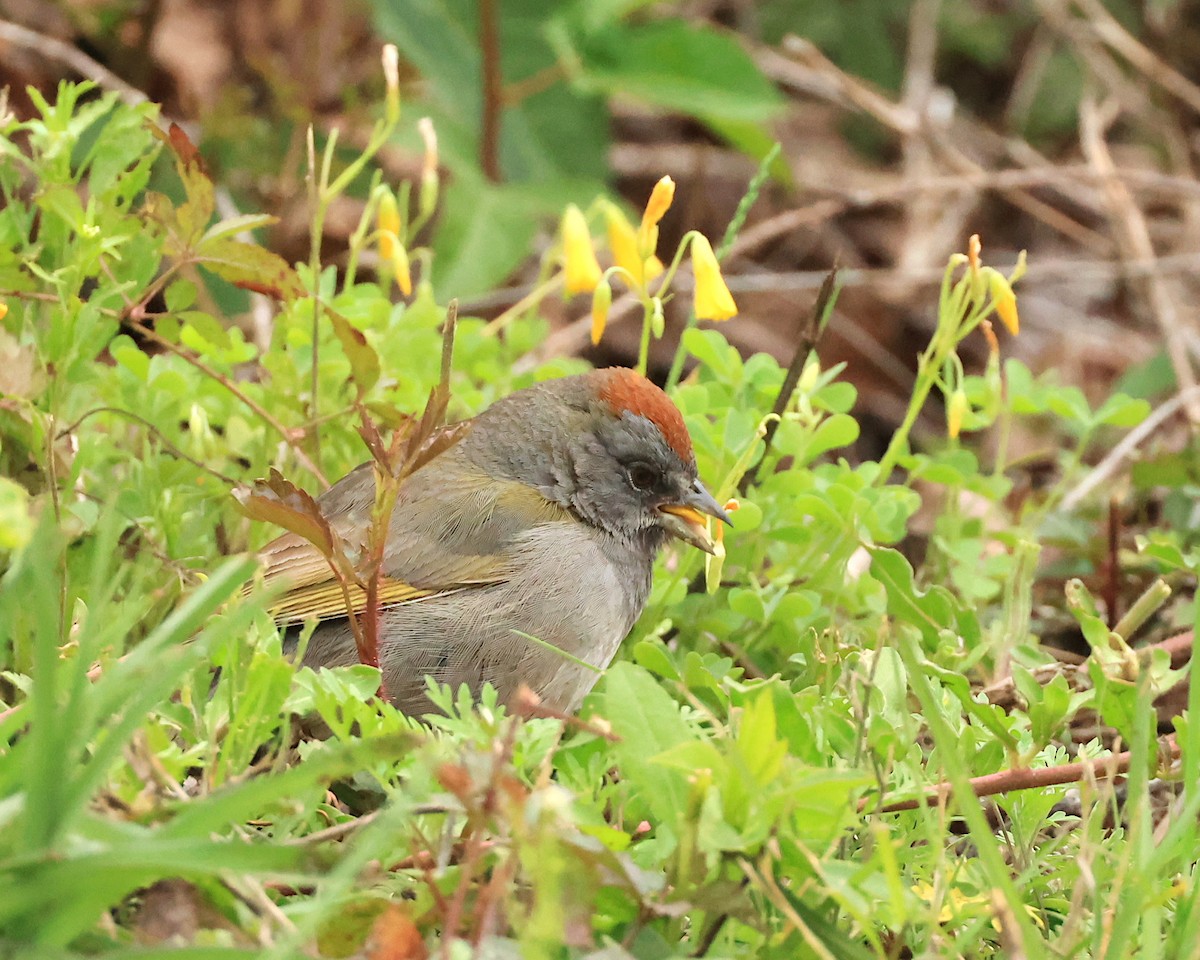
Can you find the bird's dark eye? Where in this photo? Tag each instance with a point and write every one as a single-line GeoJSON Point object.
{"type": "Point", "coordinates": [643, 477]}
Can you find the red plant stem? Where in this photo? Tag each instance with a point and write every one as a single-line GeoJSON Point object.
{"type": "Point", "coordinates": [489, 48]}
{"type": "Point", "coordinates": [1025, 779]}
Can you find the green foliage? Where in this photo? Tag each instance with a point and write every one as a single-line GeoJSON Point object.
{"type": "Point", "coordinates": [560, 63]}
{"type": "Point", "coordinates": [724, 790]}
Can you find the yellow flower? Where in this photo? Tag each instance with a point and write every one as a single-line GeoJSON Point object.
{"type": "Point", "coordinates": [579, 258]}
{"type": "Point", "coordinates": [1005, 301]}
{"type": "Point", "coordinates": [623, 242]}
{"type": "Point", "coordinates": [400, 267]}
{"type": "Point", "coordinates": [956, 409]}
{"type": "Point", "coordinates": [601, 301]}
{"type": "Point", "coordinates": [388, 221]}
{"type": "Point", "coordinates": [428, 196]}
{"type": "Point", "coordinates": [3, 309]}
{"type": "Point", "coordinates": [658, 204]}
{"type": "Point", "coordinates": [712, 299]}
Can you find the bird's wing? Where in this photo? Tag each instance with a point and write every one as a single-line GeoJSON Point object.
{"type": "Point", "coordinates": [452, 529]}
{"type": "Point", "coordinates": [327, 600]}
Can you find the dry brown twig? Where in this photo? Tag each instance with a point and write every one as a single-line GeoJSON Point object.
{"type": "Point", "coordinates": [1129, 226]}
{"type": "Point", "coordinates": [802, 66]}
{"type": "Point", "coordinates": [1141, 57]}
{"type": "Point", "coordinates": [1006, 781]}
{"type": "Point", "coordinates": [60, 52]}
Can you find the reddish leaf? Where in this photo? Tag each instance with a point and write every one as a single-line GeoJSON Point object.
{"type": "Point", "coordinates": [250, 266]}
{"type": "Point", "coordinates": [182, 146]}
{"type": "Point", "coordinates": [192, 216]}
{"type": "Point", "coordinates": [364, 361]}
{"type": "Point", "coordinates": [374, 441]}
{"type": "Point", "coordinates": [439, 442]}
{"type": "Point", "coordinates": [279, 501]}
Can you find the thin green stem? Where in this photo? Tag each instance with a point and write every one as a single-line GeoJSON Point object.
{"type": "Point", "coordinates": [644, 347]}
{"type": "Point", "coordinates": [927, 368]}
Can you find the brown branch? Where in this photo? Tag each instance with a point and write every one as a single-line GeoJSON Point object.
{"type": "Point", "coordinates": [1134, 243]}
{"type": "Point", "coordinates": [1106, 768]}
{"type": "Point", "coordinates": [54, 49]}
{"type": "Point", "coordinates": [154, 431]}
{"type": "Point", "coordinates": [493, 90]}
{"type": "Point", "coordinates": [1118, 39]}
{"type": "Point", "coordinates": [804, 346]}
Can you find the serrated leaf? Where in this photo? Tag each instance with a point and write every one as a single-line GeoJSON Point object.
{"type": "Point", "coordinates": [250, 267]}
{"type": "Point", "coordinates": [279, 501]}
{"type": "Point", "coordinates": [189, 219]}
{"type": "Point", "coordinates": [364, 361]}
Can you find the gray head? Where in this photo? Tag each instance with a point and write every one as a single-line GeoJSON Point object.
{"type": "Point", "coordinates": [609, 446]}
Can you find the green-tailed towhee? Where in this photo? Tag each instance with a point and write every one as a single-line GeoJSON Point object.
{"type": "Point", "coordinates": [542, 520]}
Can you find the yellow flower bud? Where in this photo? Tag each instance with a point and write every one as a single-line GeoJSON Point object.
{"type": "Point", "coordinates": [623, 242]}
{"type": "Point", "coordinates": [712, 299]}
{"type": "Point", "coordinates": [1005, 301]}
{"type": "Point", "coordinates": [956, 409]}
{"type": "Point", "coordinates": [391, 76]}
{"type": "Point", "coordinates": [658, 321]}
{"type": "Point", "coordinates": [579, 258]}
{"type": "Point", "coordinates": [601, 301]}
{"type": "Point", "coordinates": [428, 196]}
{"type": "Point", "coordinates": [974, 274]}
{"type": "Point", "coordinates": [656, 207]}
{"type": "Point", "coordinates": [388, 222]}
{"type": "Point", "coordinates": [401, 269]}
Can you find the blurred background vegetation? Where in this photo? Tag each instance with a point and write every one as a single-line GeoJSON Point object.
{"type": "Point", "coordinates": [916, 124]}
{"type": "Point", "coordinates": [826, 664]}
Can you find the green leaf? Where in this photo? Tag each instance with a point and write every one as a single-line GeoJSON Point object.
{"type": "Point", "coordinates": [839, 430]}
{"type": "Point", "coordinates": [649, 724]}
{"type": "Point", "coordinates": [1122, 411]}
{"type": "Point", "coordinates": [485, 232]}
{"type": "Point", "coordinates": [364, 361]}
{"type": "Point", "coordinates": [672, 64]}
{"type": "Point", "coordinates": [546, 135]}
{"type": "Point", "coordinates": [712, 349]}
{"type": "Point", "coordinates": [931, 611]}
{"type": "Point", "coordinates": [16, 522]}
{"type": "Point", "coordinates": [756, 141]}
{"type": "Point", "coordinates": [250, 267]}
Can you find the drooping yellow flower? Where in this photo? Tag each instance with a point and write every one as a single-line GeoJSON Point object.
{"type": "Point", "coordinates": [579, 257]}
{"type": "Point", "coordinates": [1005, 301]}
{"type": "Point", "coordinates": [712, 299]}
{"type": "Point", "coordinates": [401, 268]}
{"type": "Point", "coordinates": [623, 242]}
{"type": "Point", "coordinates": [656, 207]}
{"type": "Point", "coordinates": [956, 409]}
{"type": "Point", "coordinates": [601, 301]}
{"type": "Point", "coordinates": [388, 222]}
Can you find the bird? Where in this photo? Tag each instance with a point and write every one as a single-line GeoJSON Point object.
{"type": "Point", "coordinates": [521, 554]}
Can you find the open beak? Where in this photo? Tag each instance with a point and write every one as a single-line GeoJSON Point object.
{"type": "Point", "coordinates": [685, 519]}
